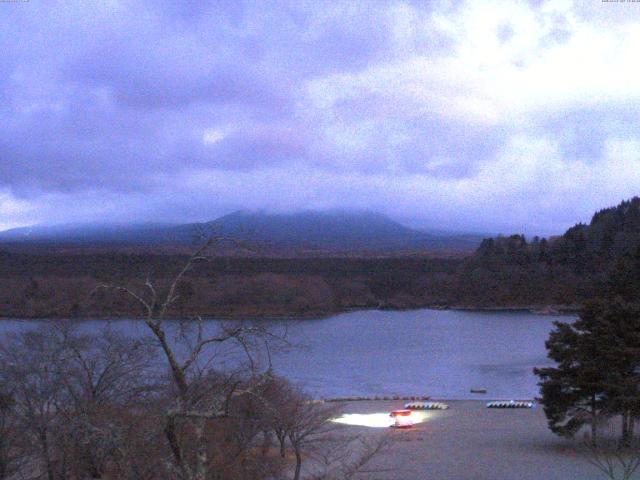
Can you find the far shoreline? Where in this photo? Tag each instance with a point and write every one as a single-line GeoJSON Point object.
{"type": "Point", "coordinates": [542, 310]}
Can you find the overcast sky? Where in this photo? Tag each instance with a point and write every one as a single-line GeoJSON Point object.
{"type": "Point", "coordinates": [479, 116]}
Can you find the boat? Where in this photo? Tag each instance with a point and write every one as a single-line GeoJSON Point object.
{"type": "Point", "coordinates": [426, 406]}
{"type": "Point", "coordinates": [510, 404]}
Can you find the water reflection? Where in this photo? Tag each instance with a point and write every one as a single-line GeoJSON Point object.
{"type": "Point", "coordinates": [376, 353]}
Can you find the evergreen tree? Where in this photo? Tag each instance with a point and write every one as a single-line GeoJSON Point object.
{"type": "Point", "coordinates": [598, 369]}
{"type": "Point", "coordinates": [572, 393]}
{"type": "Point", "coordinates": [616, 326]}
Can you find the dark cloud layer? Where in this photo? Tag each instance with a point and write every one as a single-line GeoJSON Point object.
{"type": "Point", "coordinates": [442, 114]}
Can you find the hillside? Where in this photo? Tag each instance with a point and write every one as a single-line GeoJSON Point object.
{"type": "Point", "coordinates": [565, 270]}
{"type": "Point", "coordinates": [612, 235]}
{"type": "Point", "coordinates": [90, 234]}
{"type": "Point", "coordinates": [335, 231]}
{"type": "Point", "coordinates": [297, 232]}
{"type": "Point", "coordinates": [504, 272]}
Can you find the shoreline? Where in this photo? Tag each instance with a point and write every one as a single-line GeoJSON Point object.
{"type": "Point", "coordinates": [418, 398]}
{"type": "Point", "coordinates": [542, 310]}
{"type": "Point", "coordinates": [469, 441]}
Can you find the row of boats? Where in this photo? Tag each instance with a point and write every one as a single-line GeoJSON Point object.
{"type": "Point", "coordinates": [510, 404]}
{"type": "Point", "coordinates": [493, 404]}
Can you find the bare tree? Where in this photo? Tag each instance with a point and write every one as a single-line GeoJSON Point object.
{"type": "Point", "coordinates": [309, 422]}
{"type": "Point", "coordinates": [279, 403]}
{"type": "Point", "coordinates": [615, 461]}
{"type": "Point", "coordinates": [305, 426]}
{"type": "Point", "coordinates": [70, 391]}
{"type": "Point", "coordinates": [106, 368]}
{"type": "Point", "coordinates": [11, 448]}
{"type": "Point", "coordinates": [195, 403]}
{"type": "Point", "coordinates": [104, 375]}
{"type": "Point", "coordinates": [30, 364]}
{"type": "Point", "coordinates": [349, 457]}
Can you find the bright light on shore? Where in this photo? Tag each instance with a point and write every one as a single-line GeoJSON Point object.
{"type": "Point", "coordinates": [376, 420]}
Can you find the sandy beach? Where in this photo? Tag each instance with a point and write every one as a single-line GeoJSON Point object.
{"type": "Point", "coordinates": [471, 442]}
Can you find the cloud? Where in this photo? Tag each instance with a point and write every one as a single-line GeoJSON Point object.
{"type": "Point", "coordinates": [489, 78]}
{"type": "Point", "coordinates": [466, 115]}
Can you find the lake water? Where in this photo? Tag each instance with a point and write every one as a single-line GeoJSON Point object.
{"type": "Point", "coordinates": [440, 353]}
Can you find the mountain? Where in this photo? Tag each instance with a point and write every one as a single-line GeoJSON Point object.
{"type": "Point", "coordinates": [91, 234]}
{"type": "Point", "coordinates": [513, 272]}
{"type": "Point", "coordinates": [308, 231]}
{"type": "Point", "coordinates": [336, 231]}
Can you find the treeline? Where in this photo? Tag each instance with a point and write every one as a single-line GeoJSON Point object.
{"type": "Point", "coordinates": [64, 286]}
{"type": "Point", "coordinates": [565, 270]}
{"type": "Point", "coordinates": [505, 272]}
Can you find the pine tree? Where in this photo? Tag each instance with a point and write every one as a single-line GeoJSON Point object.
{"type": "Point", "coordinates": [598, 369]}
{"type": "Point", "coordinates": [572, 393]}
{"type": "Point", "coordinates": [616, 325]}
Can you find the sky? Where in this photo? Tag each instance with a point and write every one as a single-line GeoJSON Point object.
{"type": "Point", "coordinates": [487, 116]}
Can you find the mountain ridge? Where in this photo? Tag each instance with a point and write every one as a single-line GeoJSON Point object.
{"type": "Point", "coordinates": [336, 230]}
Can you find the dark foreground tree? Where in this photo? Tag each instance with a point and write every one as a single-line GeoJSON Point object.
{"type": "Point", "coordinates": [72, 398]}
{"type": "Point", "coordinates": [571, 392]}
{"type": "Point", "coordinates": [616, 327]}
{"type": "Point", "coordinates": [598, 369]}
{"type": "Point", "coordinates": [11, 449]}
{"type": "Point", "coordinates": [214, 415]}
{"type": "Point", "coordinates": [187, 400]}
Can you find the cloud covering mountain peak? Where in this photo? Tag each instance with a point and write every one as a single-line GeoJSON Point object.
{"type": "Point", "coordinates": [494, 116]}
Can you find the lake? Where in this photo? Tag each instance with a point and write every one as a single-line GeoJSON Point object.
{"type": "Point", "coordinates": [440, 353]}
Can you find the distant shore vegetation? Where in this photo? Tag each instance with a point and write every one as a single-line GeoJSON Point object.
{"type": "Point", "coordinates": [504, 272]}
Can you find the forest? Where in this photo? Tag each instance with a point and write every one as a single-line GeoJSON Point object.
{"type": "Point", "coordinates": [556, 273]}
